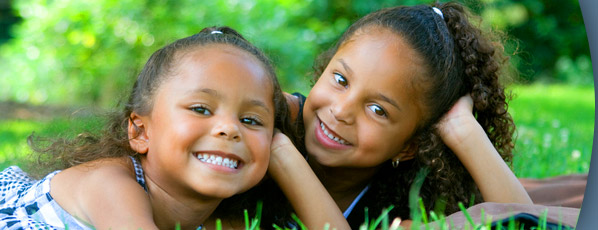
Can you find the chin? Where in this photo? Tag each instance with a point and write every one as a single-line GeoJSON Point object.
{"type": "Point", "coordinates": [323, 161]}
{"type": "Point", "coordinates": [220, 193]}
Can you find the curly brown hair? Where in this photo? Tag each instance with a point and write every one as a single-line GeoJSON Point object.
{"type": "Point", "coordinates": [460, 59]}
{"type": "Point", "coordinates": [113, 140]}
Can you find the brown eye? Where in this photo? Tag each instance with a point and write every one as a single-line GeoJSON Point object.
{"type": "Point", "coordinates": [340, 80]}
{"type": "Point", "coordinates": [377, 110]}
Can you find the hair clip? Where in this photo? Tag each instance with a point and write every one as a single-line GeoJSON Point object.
{"type": "Point", "coordinates": [438, 12]}
{"type": "Point", "coordinates": [216, 32]}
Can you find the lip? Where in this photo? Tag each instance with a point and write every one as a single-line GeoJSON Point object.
{"type": "Point", "coordinates": [222, 154]}
{"type": "Point", "coordinates": [324, 140]}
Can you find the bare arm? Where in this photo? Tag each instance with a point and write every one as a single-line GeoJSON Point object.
{"type": "Point", "coordinates": [314, 206]}
{"type": "Point", "coordinates": [119, 204]}
{"type": "Point", "coordinates": [461, 132]}
{"type": "Point", "coordinates": [104, 194]}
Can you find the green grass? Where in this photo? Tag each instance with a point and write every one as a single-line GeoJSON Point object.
{"type": "Point", "coordinates": [425, 220]}
{"type": "Point", "coordinates": [555, 127]}
{"type": "Point", "coordinates": [13, 135]}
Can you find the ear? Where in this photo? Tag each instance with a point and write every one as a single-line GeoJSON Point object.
{"type": "Point", "coordinates": [407, 153]}
{"type": "Point", "coordinates": [138, 138]}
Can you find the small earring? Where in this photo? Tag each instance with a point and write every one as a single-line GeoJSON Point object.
{"type": "Point", "coordinates": [395, 163]}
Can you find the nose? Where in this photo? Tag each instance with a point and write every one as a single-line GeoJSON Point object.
{"type": "Point", "coordinates": [342, 110]}
{"type": "Point", "coordinates": [226, 128]}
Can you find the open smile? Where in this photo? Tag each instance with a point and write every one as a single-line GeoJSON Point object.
{"type": "Point", "coordinates": [219, 159]}
{"type": "Point", "coordinates": [332, 136]}
{"type": "Point", "coordinates": [328, 138]}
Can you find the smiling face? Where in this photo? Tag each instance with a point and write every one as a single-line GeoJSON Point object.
{"type": "Point", "coordinates": [211, 124]}
{"type": "Point", "coordinates": [363, 108]}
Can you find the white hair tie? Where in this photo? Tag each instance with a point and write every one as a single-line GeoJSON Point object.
{"type": "Point", "coordinates": [438, 12]}
{"type": "Point", "coordinates": [216, 32]}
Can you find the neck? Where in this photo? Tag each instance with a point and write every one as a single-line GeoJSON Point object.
{"type": "Point", "coordinates": [169, 211]}
{"type": "Point", "coordinates": [188, 211]}
{"type": "Point", "coordinates": [343, 183]}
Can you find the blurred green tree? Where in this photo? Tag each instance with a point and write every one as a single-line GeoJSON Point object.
{"type": "Point", "coordinates": [89, 52]}
{"type": "Point", "coordinates": [72, 52]}
{"type": "Point", "coordinates": [552, 40]}
{"type": "Point", "coordinates": [7, 18]}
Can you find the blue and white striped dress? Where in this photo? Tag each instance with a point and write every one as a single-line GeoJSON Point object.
{"type": "Point", "coordinates": [26, 203]}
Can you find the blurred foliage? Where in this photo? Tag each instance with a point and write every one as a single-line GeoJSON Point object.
{"type": "Point", "coordinates": [7, 18]}
{"type": "Point", "coordinates": [89, 52]}
{"type": "Point", "coordinates": [551, 38]}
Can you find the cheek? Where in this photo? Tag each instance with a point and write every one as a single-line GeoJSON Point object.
{"type": "Point", "coordinates": [259, 145]}
{"type": "Point", "coordinates": [187, 130]}
{"type": "Point", "coordinates": [381, 141]}
{"type": "Point", "coordinates": [319, 93]}
{"type": "Point", "coordinates": [318, 98]}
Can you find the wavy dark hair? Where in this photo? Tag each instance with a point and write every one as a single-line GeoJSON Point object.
{"type": "Point", "coordinates": [460, 59]}
{"type": "Point", "coordinates": [113, 140]}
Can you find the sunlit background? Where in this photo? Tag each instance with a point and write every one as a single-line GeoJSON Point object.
{"type": "Point", "coordinates": [57, 56]}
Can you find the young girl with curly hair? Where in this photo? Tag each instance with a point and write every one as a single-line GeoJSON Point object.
{"type": "Point", "coordinates": [197, 128]}
{"type": "Point", "coordinates": [405, 88]}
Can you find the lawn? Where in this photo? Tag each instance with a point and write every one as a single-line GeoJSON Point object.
{"type": "Point", "coordinates": [14, 132]}
{"type": "Point", "coordinates": [555, 127]}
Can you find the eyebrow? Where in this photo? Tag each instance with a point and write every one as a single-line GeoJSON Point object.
{"type": "Point", "coordinates": [347, 68]}
{"type": "Point", "coordinates": [259, 103]}
{"type": "Point", "coordinates": [213, 92]}
{"type": "Point", "coordinates": [206, 91]}
{"type": "Point", "coordinates": [387, 99]}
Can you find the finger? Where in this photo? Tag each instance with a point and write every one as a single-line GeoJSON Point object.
{"type": "Point", "coordinates": [279, 140]}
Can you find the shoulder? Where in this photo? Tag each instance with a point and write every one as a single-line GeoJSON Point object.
{"type": "Point", "coordinates": [87, 188]}
{"type": "Point", "coordinates": [295, 102]}
{"type": "Point", "coordinates": [100, 175]}
{"type": "Point", "coordinates": [94, 174]}
{"type": "Point", "coordinates": [107, 169]}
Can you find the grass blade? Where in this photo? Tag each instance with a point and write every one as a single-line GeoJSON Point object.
{"type": "Point", "coordinates": [301, 225]}
{"type": "Point", "coordinates": [246, 217]}
{"type": "Point", "coordinates": [379, 219]}
{"type": "Point", "coordinates": [218, 224]}
{"type": "Point", "coordinates": [423, 210]}
{"type": "Point", "coordinates": [466, 214]}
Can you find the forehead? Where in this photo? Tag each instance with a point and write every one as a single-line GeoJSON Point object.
{"type": "Point", "coordinates": [218, 54]}
{"type": "Point", "coordinates": [385, 62]}
{"type": "Point", "coordinates": [223, 68]}
{"type": "Point", "coordinates": [381, 44]}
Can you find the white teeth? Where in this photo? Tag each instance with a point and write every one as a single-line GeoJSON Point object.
{"type": "Point", "coordinates": [218, 160]}
{"type": "Point", "coordinates": [332, 137]}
